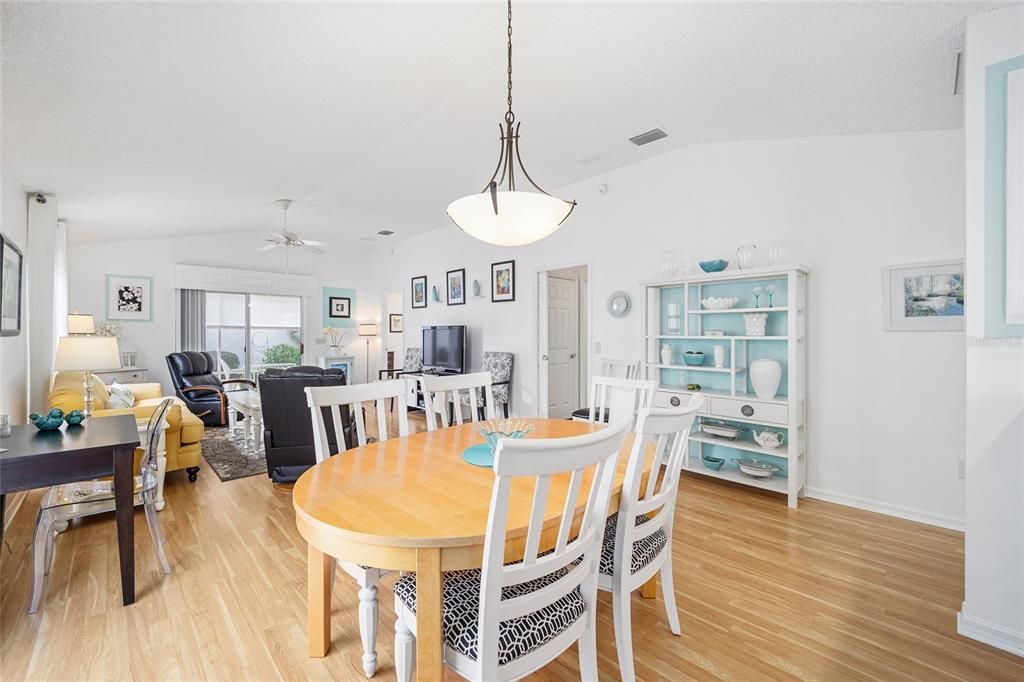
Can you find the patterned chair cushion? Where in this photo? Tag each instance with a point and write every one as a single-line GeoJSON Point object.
{"type": "Point", "coordinates": [499, 364]}
{"type": "Point", "coordinates": [516, 637]}
{"type": "Point", "coordinates": [644, 551]}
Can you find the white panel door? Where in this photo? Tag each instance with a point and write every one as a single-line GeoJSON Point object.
{"type": "Point", "coordinates": [563, 346]}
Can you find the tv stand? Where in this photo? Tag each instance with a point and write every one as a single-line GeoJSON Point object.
{"type": "Point", "coordinates": [414, 395]}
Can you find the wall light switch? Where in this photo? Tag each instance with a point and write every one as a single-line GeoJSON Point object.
{"type": "Point", "coordinates": [597, 346]}
{"type": "Point", "coordinates": [962, 467]}
{"type": "Point", "coordinates": [320, 341]}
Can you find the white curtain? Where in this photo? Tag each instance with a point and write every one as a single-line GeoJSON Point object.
{"type": "Point", "coordinates": [60, 280]}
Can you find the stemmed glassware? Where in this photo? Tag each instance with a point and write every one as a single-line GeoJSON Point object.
{"type": "Point", "coordinates": [757, 295]}
{"type": "Point", "coordinates": [771, 294]}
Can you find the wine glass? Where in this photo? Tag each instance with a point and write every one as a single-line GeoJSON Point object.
{"type": "Point", "coordinates": [771, 294]}
{"type": "Point", "coordinates": [757, 295]}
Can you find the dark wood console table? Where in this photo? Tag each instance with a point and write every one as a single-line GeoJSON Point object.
{"type": "Point", "coordinates": [104, 446]}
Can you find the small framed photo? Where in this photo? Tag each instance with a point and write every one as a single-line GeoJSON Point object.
{"type": "Point", "coordinates": [340, 307]}
{"type": "Point", "coordinates": [456, 286]}
{"type": "Point", "coordinates": [503, 281]}
{"type": "Point", "coordinates": [419, 291]}
{"type": "Point", "coordinates": [11, 268]}
{"type": "Point", "coordinates": [923, 296]}
{"type": "Point", "coordinates": [129, 298]}
{"type": "Point", "coordinates": [395, 324]}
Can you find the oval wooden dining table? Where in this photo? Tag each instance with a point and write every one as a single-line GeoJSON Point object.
{"type": "Point", "coordinates": [413, 504]}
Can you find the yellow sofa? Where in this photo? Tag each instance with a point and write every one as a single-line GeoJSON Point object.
{"type": "Point", "coordinates": [184, 429]}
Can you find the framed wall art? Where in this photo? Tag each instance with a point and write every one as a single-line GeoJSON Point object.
{"type": "Point", "coordinates": [129, 298]}
{"type": "Point", "coordinates": [456, 286]}
{"type": "Point", "coordinates": [923, 296]}
{"type": "Point", "coordinates": [503, 281]}
{"type": "Point", "coordinates": [419, 292]}
{"type": "Point", "coordinates": [395, 324]}
{"type": "Point", "coordinates": [11, 268]}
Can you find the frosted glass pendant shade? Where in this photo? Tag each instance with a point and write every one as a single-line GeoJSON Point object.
{"type": "Point", "coordinates": [522, 217]}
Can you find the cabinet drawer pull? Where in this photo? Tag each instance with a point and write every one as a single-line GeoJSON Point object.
{"type": "Point", "coordinates": [747, 411]}
{"type": "Point", "coordinates": [674, 401]}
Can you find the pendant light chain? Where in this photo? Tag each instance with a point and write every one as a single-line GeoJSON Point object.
{"type": "Point", "coordinates": [509, 116]}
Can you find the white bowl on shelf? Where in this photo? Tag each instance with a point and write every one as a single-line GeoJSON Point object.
{"type": "Point", "coordinates": [717, 303]}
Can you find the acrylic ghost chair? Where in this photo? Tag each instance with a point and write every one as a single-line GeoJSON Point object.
{"type": "Point", "coordinates": [63, 503]}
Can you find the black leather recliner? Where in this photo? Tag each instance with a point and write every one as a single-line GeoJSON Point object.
{"type": "Point", "coordinates": [192, 374]}
{"type": "Point", "coordinates": [287, 426]}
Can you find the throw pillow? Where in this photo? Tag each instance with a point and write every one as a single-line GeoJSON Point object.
{"type": "Point", "coordinates": [120, 396]}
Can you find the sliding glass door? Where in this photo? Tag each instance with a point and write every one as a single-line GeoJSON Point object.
{"type": "Point", "coordinates": [249, 333]}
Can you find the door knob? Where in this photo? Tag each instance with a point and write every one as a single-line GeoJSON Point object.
{"type": "Point", "coordinates": [544, 357]}
{"type": "Point", "coordinates": [572, 356]}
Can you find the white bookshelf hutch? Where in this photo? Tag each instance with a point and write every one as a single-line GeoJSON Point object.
{"type": "Point", "coordinates": [729, 397]}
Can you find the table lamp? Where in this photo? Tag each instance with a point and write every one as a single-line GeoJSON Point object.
{"type": "Point", "coordinates": [86, 353]}
{"type": "Point", "coordinates": [367, 330]}
{"type": "Point", "coordinates": [80, 323]}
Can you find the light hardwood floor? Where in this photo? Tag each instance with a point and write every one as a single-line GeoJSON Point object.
{"type": "Point", "coordinates": [824, 592]}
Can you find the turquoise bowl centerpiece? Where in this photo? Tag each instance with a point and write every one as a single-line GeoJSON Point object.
{"type": "Point", "coordinates": [51, 421]}
{"type": "Point", "coordinates": [482, 455]}
{"type": "Point", "coordinates": [716, 265]}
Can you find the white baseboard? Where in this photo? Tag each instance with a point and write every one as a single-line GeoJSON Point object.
{"type": "Point", "coordinates": [950, 522]}
{"type": "Point", "coordinates": [989, 633]}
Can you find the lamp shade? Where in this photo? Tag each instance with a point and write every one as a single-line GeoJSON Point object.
{"type": "Point", "coordinates": [84, 353]}
{"type": "Point", "coordinates": [522, 217]}
{"type": "Point", "coordinates": [81, 324]}
{"type": "Point", "coordinates": [367, 329]}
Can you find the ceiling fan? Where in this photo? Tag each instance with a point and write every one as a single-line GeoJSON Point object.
{"type": "Point", "coordinates": [289, 240]}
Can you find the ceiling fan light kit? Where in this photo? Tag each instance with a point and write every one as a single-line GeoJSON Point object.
{"type": "Point", "coordinates": [510, 216]}
{"type": "Point", "coordinates": [288, 239]}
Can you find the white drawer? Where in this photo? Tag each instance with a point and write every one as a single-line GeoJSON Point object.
{"type": "Point", "coordinates": [729, 408]}
{"type": "Point", "coordinates": [667, 399]}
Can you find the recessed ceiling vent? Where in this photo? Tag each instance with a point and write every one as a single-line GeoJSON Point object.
{"type": "Point", "coordinates": [385, 233]}
{"type": "Point", "coordinates": [648, 137]}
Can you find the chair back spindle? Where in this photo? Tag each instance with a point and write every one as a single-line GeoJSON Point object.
{"type": "Point", "coordinates": [332, 399]}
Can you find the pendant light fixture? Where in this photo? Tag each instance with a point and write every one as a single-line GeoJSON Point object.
{"type": "Point", "coordinates": [502, 213]}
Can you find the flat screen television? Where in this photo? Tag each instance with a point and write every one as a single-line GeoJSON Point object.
{"type": "Point", "coordinates": [444, 348]}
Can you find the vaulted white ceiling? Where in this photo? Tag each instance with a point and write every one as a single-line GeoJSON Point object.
{"type": "Point", "coordinates": [183, 118]}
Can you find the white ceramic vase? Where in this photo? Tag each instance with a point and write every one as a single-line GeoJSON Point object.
{"type": "Point", "coordinates": [719, 356]}
{"type": "Point", "coordinates": [765, 376]}
{"type": "Point", "coordinates": [666, 354]}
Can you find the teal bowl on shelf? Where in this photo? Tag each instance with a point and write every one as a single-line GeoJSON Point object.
{"type": "Point", "coordinates": [714, 463]}
{"type": "Point", "coordinates": [694, 359]}
{"type": "Point", "coordinates": [716, 265]}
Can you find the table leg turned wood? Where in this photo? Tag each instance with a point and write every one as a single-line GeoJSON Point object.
{"type": "Point", "coordinates": [649, 590]}
{"type": "Point", "coordinates": [429, 651]}
{"type": "Point", "coordinates": [319, 602]}
{"type": "Point", "coordinates": [124, 510]}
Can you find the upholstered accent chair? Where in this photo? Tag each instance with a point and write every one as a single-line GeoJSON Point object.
{"type": "Point", "coordinates": [287, 428]}
{"type": "Point", "coordinates": [184, 430]}
{"type": "Point", "coordinates": [412, 363]}
{"type": "Point", "coordinates": [194, 375]}
{"type": "Point", "coordinates": [499, 364]}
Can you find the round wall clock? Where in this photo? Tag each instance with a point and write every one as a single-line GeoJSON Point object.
{"type": "Point", "coordinates": [619, 304]}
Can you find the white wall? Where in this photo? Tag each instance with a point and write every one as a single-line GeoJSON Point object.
{"type": "Point", "coordinates": [14, 349]}
{"type": "Point", "coordinates": [886, 412]}
{"type": "Point", "coordinates": [993, 609]}
{"type": "Point", "coordinates": [340, 267]}
{"type": "Point", "coordinates": [41, 263]}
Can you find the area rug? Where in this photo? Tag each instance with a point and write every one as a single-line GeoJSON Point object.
{"type": "Point", "coordinates": [227, 458]}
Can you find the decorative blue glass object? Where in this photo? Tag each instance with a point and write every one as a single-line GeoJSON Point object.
{"type": "Point", "coordinates": [482, 454]}
{"type": "Point", "coordinates": [74, 417]}
{"type": "Point", "coordinates": [51, 421]}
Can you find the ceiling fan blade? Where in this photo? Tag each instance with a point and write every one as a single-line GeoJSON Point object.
{"type": "Point", "coordinates": [313, 249]}
{"type": "Point", "coordinates": [268, 247]}
{"type": "Point", "coordinates": [313, 242]}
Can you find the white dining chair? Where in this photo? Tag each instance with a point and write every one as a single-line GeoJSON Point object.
{"type": "Point", "coordinates": [639, 535]}
{"type": "Point", "coordinates": [62, 503]}
{"type": "Point", "coordinates": [505, 621]}
{"type": "Point", "coordinates": [333, 400]}
{"type": "Point", "coordinates": [614, 398]}
{"type": "Point", "coordinates": [444, 395]}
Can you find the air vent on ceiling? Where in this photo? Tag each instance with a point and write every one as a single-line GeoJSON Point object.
{"type": "Point", "coordinates": [648, 137]}
{"type": "Point", "coordinates": [385, 233]}
{"type": "Point", "coordinates": [958, 73]}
